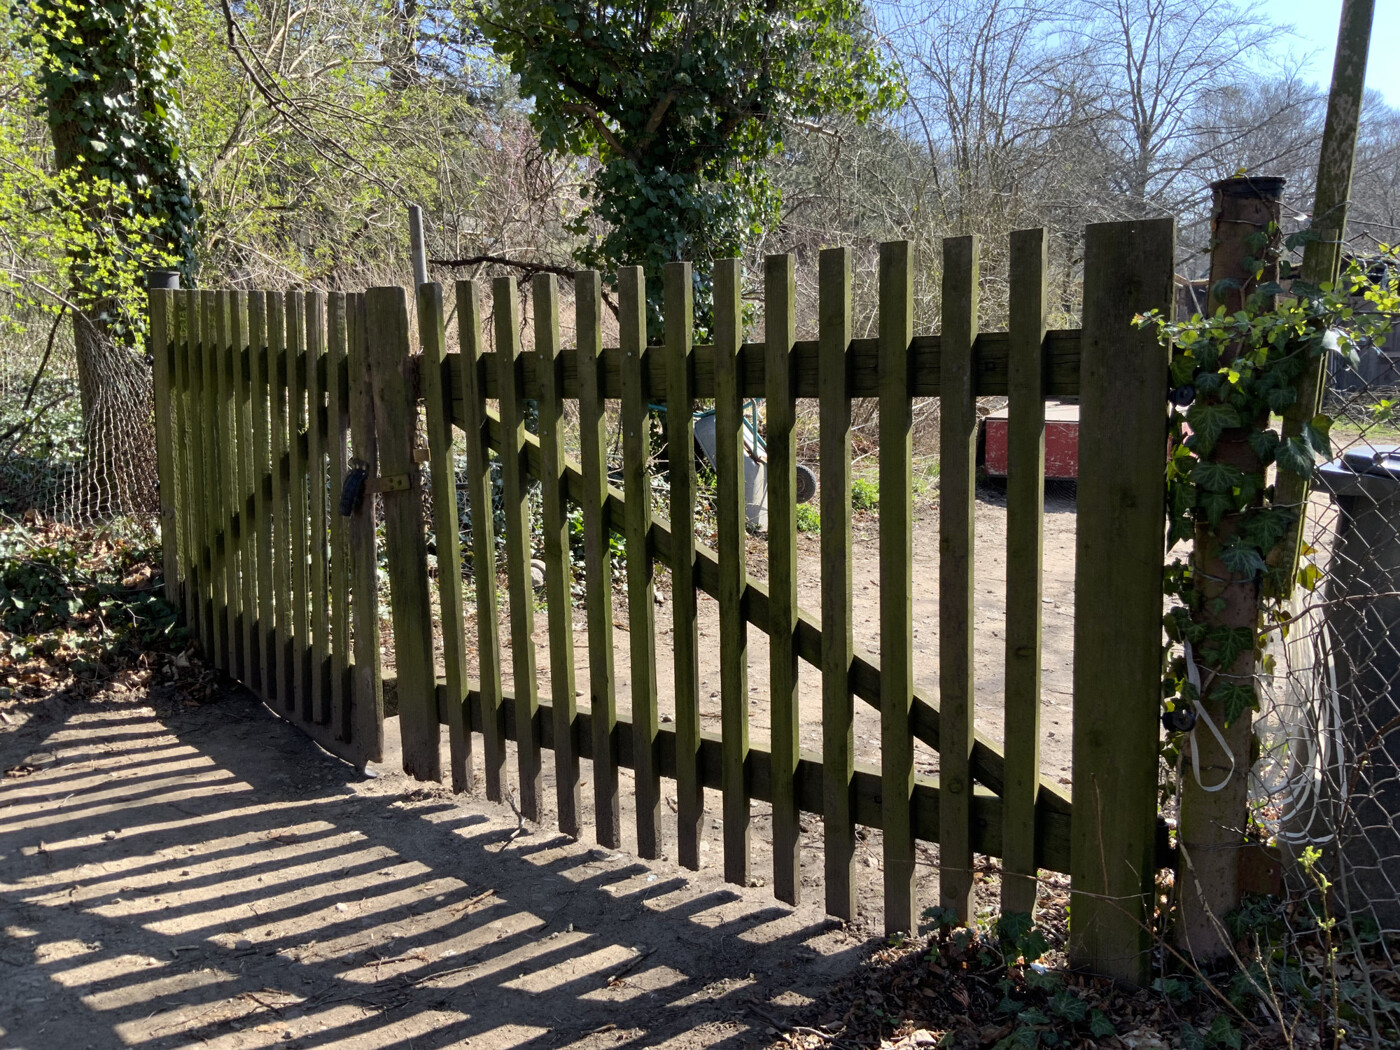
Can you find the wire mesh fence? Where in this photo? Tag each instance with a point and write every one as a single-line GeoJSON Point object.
{"type": "Point", "coordinates": [1326, 784]}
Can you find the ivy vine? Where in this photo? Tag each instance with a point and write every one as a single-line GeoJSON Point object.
{"type": "Point", "coordinates": [1232, 375]}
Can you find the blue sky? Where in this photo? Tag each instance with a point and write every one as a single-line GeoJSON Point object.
{"type": "Point", "coordinates": [1315, 23]}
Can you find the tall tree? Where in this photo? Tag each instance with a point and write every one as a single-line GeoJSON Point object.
{"type": "Point", "coordinates": [108, 74]}
{"type": "Point", "coordinates": [679, 104]}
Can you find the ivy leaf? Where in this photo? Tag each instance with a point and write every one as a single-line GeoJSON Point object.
{"type": "Point", "coordinates": [1234, 700]}
{"type": "Point", "coordinates": [1242, 560]}
{"type": "Point", "coordinates": [1216, 505]}
{"type": "Point", "coordinates": [1223, 1033]}
{"type": "Point", "coordinates": [1266, 526]}
{"type": "Point", "coordinates": [1214, 476]}
{"type": "Point", "coordinates": [1100, 1027]}
{"type": "Point", "coordinates": [1297, 456]}
{"type": "Point", "coordinates": [1207, 423]}
{"type": "Point", "coordinates": [1264, 443]}
{"type": "Point", "coordinates": [1316, 431]}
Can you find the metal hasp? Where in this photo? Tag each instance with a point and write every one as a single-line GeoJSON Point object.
{"type": "Point", "coordinates": [1362, 616]}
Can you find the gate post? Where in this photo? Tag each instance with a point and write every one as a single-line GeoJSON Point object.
{"type": "Point", "coordinates": [406, 549]}
{"type": "Point", "coordinates": [1118, 596]}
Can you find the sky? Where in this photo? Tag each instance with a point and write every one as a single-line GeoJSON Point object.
{"type": "Point", "coordinates": [1315, 25]}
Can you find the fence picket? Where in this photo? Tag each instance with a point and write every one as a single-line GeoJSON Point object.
{"type": "Point", "coordinates": [558, 570]}
{"type": "Point", "coordinates": [1025, 511]}
{"type": "Point", "coordinates": [597, 555]}
{"type": "Point", "coordinates": [517, 523]}
{"type": "Point", "coordinates": [214, 523]}
{"type": "Point", "coordinates": [680, 454]}
{"type": "Point", "coordinates": [780, 333]}
{"type": "Point", "coordinates": [957, 501]}
{"type": "Point", "coordinates": [241, 443]}
{"type": "Point", "coordinates": [298, 490]}
{"type": "Point", "coordinates": [318, 588]}
{"type": "Point", "coordinates": [160, 302]}
{"type": "Point", "coordinates": [183, 446]}
{"type": "Point", "coordinates": [434, 380]}
{"type": "Point", "coordinates": [488, 635]}
{"type": "Point", "coordinates": [229, 340]}
{"type": "Point", "coordinates": [1118, 596]}
{"type": "Point", "coordinates": [338, 426]}
{"type": "Point", "coordinates": [258, 341]}
{"type": "Point", "coordinates": [367, 691]}
{"type": "Point", "coordinates": [837, 637]}
{"type": "Point", "coordinates": [896, 323]}
{"type": "Point", "coordinates": [278, 310]}
{"type": "Point", "coordinates": [641, 569]}
{"type": "Point", "coordinates": [733, 537]}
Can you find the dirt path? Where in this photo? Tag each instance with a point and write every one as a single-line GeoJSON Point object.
{"type": "Point", "coordinates": [176, 876]}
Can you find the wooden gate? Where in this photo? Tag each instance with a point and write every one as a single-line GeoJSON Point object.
{"type": "Point", "coordinates": [248, 604]}
{"type": "Point", "coordinates": [262, 407]}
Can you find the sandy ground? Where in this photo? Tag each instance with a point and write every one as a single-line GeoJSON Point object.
{"type": "Point", "coordinates": [178, 876]}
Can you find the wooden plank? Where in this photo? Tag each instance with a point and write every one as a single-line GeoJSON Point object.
{"type": "Point", "coordinates": [641, 608]}
{"type": "Point", "coordinates": [597, 559]}
{"type": "Point", "coordinates": [558, 568]}
{"type": "Point", "coordinates": [183, 444]}
{"type": "Point", "coordinates": [780, 436]}
{"type": "Point", "coordinates": [230, 331]}
{"type": "Point", "coordinates": [214, 335]}
{"type": "Point", "coordinates": [318, 526]}
{"type": "Point", "coordinates": [837, 637]}
{"type": "Point", "coordinates": [896, 437]}
{"type": "Point", "coordinates": [957, 504]}
{"type": "Point", "coordinates": [925, 353]}
{"type": "Point", "coordinates": [432, 374]}
{"type": "Point", "coordinates": [1025, 512]}
{"type": "Point", "coordinates": [521, 594]}
{"type": "Point", "coordinates": [488, 636]}
{"type": "Point", "coordinates": [261, 452]}
{"type": "Point", "coordinates": [245, 507]}
{"type": "Point", "coordinates": [679, 310]}
{"type": "Point", "coordinates": [405, 546]}
{"type": "Point", "coordinates": [298, 523]}
{"type": "Point", "coordinates": [199, 538]}
{"type": "Point", "coordinates": [366, 693]}
{"type": "Point", "coordinates": [160, 307]}
{"type": "Point", "coordinates": [733, 542]}
{"type": "Point", "coordinates": [1118, 596]}
{"type": "Point", "coordinates": [284, 689]}
{"type": "Point", "coordinates": [338, 450]}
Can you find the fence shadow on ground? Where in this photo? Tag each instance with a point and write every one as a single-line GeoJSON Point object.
{"type": "Point", "coordinates": [206, 875]}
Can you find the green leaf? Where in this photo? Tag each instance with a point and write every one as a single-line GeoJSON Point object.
{"type": "Point", "coordinates": [1214, 476]}
{"type": "Point", "coordinates": [1208, 422]}
{"type": "Point", "coordinates": [1100, 1027]}
{"type": "Point", "coordinates": [1296, 455]}
{"type": "Point", "coordinates": [1223, 1033]}
{"type": "Point", "coordinates": [1263, 443]}
{"type": "Point", "coordinates": [1242, 560]}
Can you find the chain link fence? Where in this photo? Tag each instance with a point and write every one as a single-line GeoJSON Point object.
{"type": "Point", "coordinates": [1326, 783]}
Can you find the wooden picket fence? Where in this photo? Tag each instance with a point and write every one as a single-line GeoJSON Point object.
{"type": "Point", "coordinates": [266, 399]}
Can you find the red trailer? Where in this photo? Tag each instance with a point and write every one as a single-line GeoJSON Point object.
{"type": "Point", "coordinates": [1061, 442]}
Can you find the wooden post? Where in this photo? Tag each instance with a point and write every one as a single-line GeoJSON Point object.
{"type": "Point", "coordinates": [780, 437]}
{"type": "Point", "coordinates": [436, 382]}
{"type": "Point", "coordinates": [338, 427]}
{"type": "Point", "coordinates": [837, 638]}
{"type": "Point", "coordinates": [1025, 513]}
{"type": "Point", "coordinates": [1118, 596]}
{"type": "Point", "coordinates": [367, 687]}
{"type": "Point", "coordinates": [298, 522]}
{"type": "Point", "coordinates": [680, 446]}
{"type": "Point", "coordinates": [597, 555]}
{"type": "Point", "coordinates": [521, 592]}
{"type": "Point", "coordinates": [641, 571]}
{"type": "Point", "coordinates": [488, 633]}
{"type": "Point", "coordinates": [214, 338]}
{"type": "Point", "coordinates": [897, 583]}
{"type": "Point", "coordinates": [251, 664]}
{"type": "Point", "coordinates": [318, 527]}
{"type": "Point", "coordinates": [558, 567]}
{"type": "Point", "coordinates": [733, 555]}
{"type": "Point", "coordinates": [183, 446]}
{"type": "Point", "coordinates": [395, 419]}
{"type": "Point", "coordinates": [284, 690]}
